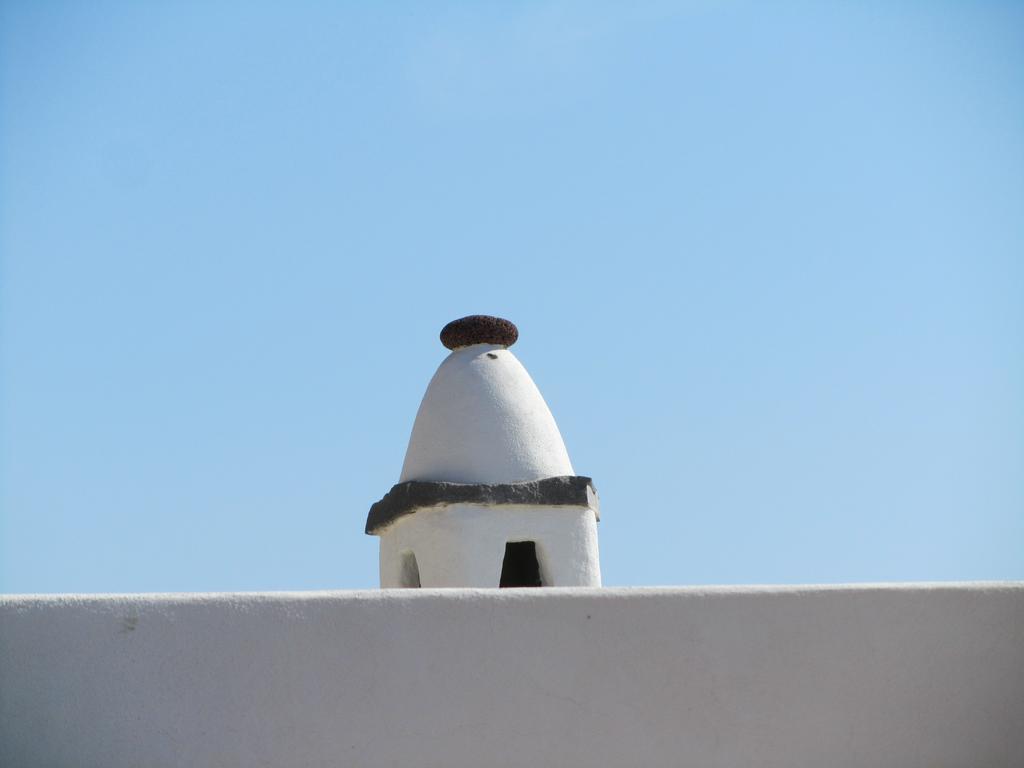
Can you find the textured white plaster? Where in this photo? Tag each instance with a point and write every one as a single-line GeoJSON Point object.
{"type": "Point", "coordinates": [483, 420]}
{"type": "Point", "coordinates": [903, 675]}
{"type": "Point", "coordinates": [463, 545]}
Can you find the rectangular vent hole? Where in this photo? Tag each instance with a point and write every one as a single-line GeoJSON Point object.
{"type": "Point", "coordinates": [520, 567]}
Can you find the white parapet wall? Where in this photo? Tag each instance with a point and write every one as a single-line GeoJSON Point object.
{"type": "Point", "coordinates": [887, 675]}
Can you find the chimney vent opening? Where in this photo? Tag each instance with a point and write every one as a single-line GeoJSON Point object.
{"type": "Point", "coordinates": [410, 577]}
{"type": "Point", "coordinates": [520, 567]}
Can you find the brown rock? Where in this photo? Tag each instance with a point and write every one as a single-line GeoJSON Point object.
{"type": "Point", "coordinates": [479, 329]}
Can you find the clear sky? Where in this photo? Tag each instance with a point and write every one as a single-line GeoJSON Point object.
{"type": "Point", "coordinates": [767, 265]}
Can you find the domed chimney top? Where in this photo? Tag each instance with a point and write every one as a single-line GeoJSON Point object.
{"type": "Point", "coordinates": [482, 419]}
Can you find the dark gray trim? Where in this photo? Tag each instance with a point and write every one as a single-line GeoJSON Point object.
{"type": "Point", "coordinates": [405, 498]}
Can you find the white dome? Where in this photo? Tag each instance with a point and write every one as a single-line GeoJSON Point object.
{"type": "Point", "coordinates": [483, 420]}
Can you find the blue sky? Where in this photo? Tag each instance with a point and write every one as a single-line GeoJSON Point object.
{"type": "Point", "coordinates": [767, 262]}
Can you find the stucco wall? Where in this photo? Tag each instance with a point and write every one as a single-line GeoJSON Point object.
{"type": "Point", "coordinates": [463, 544]}
{"type": "Point", "coordinates": [899, 675]}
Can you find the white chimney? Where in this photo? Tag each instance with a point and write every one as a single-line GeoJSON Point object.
{"type": "Point", "coordinates": [487, 496]}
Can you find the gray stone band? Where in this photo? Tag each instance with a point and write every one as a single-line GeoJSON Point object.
{"type": "Point", "coordinates": [405, 498]}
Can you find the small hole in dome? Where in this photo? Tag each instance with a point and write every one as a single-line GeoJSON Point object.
{"type": "Point", "coordinates": [492, 356]}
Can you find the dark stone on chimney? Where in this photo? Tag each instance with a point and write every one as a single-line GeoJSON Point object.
{"type": "Point", "coordinates": [479, 329]}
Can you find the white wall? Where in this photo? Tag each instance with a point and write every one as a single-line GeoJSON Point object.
{"type": "Point", "coordinates": [861, 676]}
{"type": "Point", "coordinates": [464, 544]}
